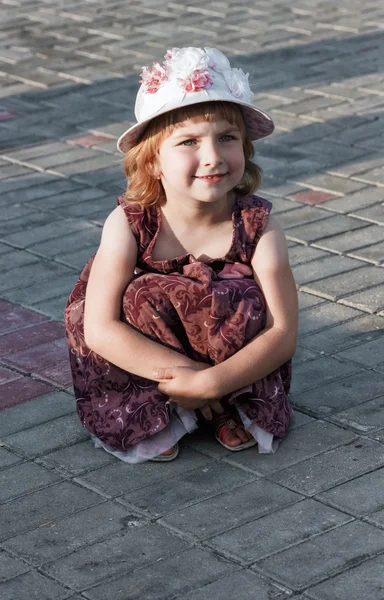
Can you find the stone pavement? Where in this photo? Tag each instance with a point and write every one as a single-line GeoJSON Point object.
{"type": "Point", "coordinates": [307, 522]}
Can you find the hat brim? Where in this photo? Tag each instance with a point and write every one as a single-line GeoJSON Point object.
{"type": "Point", "coordinates": [258, 122]}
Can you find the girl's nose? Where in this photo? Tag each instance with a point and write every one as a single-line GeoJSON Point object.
{"type": "Point", "coordinates": [211, 154]}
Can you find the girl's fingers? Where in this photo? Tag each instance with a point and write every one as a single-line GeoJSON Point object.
{"type": "Point", "coordinates": [161, 374]}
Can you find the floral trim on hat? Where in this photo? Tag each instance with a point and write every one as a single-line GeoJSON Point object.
{"type": "Point", "coordinates": [194, 70]}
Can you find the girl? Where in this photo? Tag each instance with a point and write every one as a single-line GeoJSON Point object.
{"type": "Point", "coordinates": [189, 303]}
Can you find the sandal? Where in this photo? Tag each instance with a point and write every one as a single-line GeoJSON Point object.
{"type": "Point", "coordinates": [167, 457]}
{"type": "Point", "coordinates": [223, 425]}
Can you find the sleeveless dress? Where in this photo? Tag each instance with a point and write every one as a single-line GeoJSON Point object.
{"type": "Point", "coordinates": [205, 310]}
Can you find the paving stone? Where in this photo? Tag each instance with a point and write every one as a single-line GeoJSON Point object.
{"type": "Point", "coordinates": [39, 357]}
{"type": "Point", "coordinates": [61, 537]}
{"type": "Point", "coordinates": [317, 373]}
{"type": "Point", "coordinates": [30, 336]}
{"type": "Point", "coordinates": [331, 468]}
{"type": "Point", "coordinates": [243, 585]}
{"type": "Point", "coordinates": [376, 518]}
{"type": "Point", "coordinates": [90, 238]}
{"type": "Point", "coordinates": [231, 509]}
{"type": "Point", "coordinates": [341, 394]}
{"type": "Point", "coordinates": [308, 300]}
{"type": "Point", "coordinates": [334, 339]}
{"type": "Point", "coordinates": [352, 497]}
{"type": "Point", "coordinates": [58, 285]}
{"type": "Point", "coordinates": [48, 437]}
{"type": "Point", "coordinates": [313, 197]}
{"type": "Point", "coordinates": [304, 214]}
{"type": "Point", "coordinates": [89, 140]}
{"type": "Point", "coordinates": [16, 318]}
{"type": "Point", "coordinates": [16, 258]}
{"type": "Point", "coordinates": [374, 253]}
{"type": "Point", "coordinates": [21, 390]}
{"type": "Point", "coordinates": [344, 284]}
{"type": "Point", "coordinates": [325, 267]}
{"type": "Point", "coordinates": [114, 556]}
{"type": "Point", "coordinates": [367, 354]}
{"type": "Point", "coordinates": [10, 567]}
{"type": "Point", "coordinates": [155, 583]}
{"type": "Point", "coordinates": [7, 458]}
{"type": "Point", "coordinates": [21, 588]}
{"type": "Point", "coordinates": [358, 165]}
{"type": "Point", "coordinates": [324, 315]}
{"type": "Point", "coordinates": [39, 508]}
{"type": "Point", "coordinates": [367, 417]}
{"type": "Point", "coordinates": [78, 258]}
{"type": "Point", "coordinates": [366, 580]}
{"type": "Point", "coordinates": [19, 184]}
{"type": "Point", "coordinates": [300, 444]}
{"type": "Point", "coordinates": [119, 478]}
{"type": "Point", "coordinates": [59, 374]}
{"type": "Point", "coordinates": [8, 375]}
{"type": "Point", "coordinates": [320, 231]}
{"type": "Point", "coordinates": [29, 274]}
{"type": "Point", "coordinates": [331, 184]}
{"type": "Point", "coordinates": [23, 479]}
{"type": "Point", "coordinates": [35, 235]}
{"type": "Point", "coordinates": [370, 300]}
{"type": "Point", "coordinates": [42, 409]}
{"type": "Point", "coordinates": [77, 459]}
{"type": "Point", "coordinates": [81, 195]}
{"type": "Point", "coordinates": [324, 555]}
{"type": "Point", "coordinates": [300, 254]}
{"type": "Point", "coordinates": [302, 355]}
{"type": "Point", "coordinates": [163, 497]}
{"type": "Point", "coordinates": [291, 525]}
{"type": "Point", "coordinates": [345, 242]}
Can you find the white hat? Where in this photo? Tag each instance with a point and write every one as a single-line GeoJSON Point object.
{"type": "Point", "coordinates": [189, 76]}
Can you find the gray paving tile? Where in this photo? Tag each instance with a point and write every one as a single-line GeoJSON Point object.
{"type": "Point", "coordinates": [300, 444]}
{"type": "Point", "coordinates": [23, 586]}
{"type": "Point", "coordinates": [77, 459]}
{"type": "Point", "coordinates": [374, 253]}
{"type": "Point", "coordinates": [366, 418]}
{"type": "Point", "coordinates": [42, 409]}
{"type": "Point", "coordinates": [366, 235]}
{"type": "Point", "coordinates": [302, 355]}
{"type": "Point", "coordinates": [341, 394]}
{"type": "Point", "coordinates": [30, 294]}
{"type": "Point", "coordinates": [364, 581]}
{"type": "Point", "coordinates": [63, 536]}
{"type": "Point", "coordinates": [231, 509]}
{"type": "Point", "coordinates": [11, 567]}
{"type": "Point", "coordinates": [301, 254]}
{"type": "Point", "coordinates": [241, 585]}
{"type": "Point", "coordinates": [321, 316]}
{"type": "Point", "coordinates": [376, 518]}
{"type": "Point", "coordinates": [331, 226]}
{"type": "Point", "coordinates": [304, 214]}
{"type": "Point", "coordinates": [313, 374]}
{"type": "Point", "coordinates": [323, 555]}
{"type": "Point", "coordinates": [54, 307]}
{"type": "Point", "coordinates": [50, 231]}
{"type": "Point", "coordinates": [165, 496]}
{"type": "Point", "coordinates": [90, 236]}
{"type": "Point", "coordinates": [308, 300]}
{"type": "Point", "coordinates": [358, 331]}
{"type": "Point", "coordinates": [113, 557]}
{"type": "Point", "coordinates": [7, 458]}
{"type": "Point", "coordinates": [26, 275]}
{"type": "Point", "coordinates": [352, 496]}
{"type": "Point", "coordinates": [325, 267]}
{"type": "Point", "coordinates": [369, 354]}
{"type": "Point", "coordinates": [15, 259]}
{"type": "Point", "coordinates": [46, 437]}
{"type": "Point", "coordinates": [23, 479]}
{"type": "Point", "coordinates": [120, 478]}
{"type": "Point", "coordinates": [357, 200]}
{"type": "Point", "coordinates": [344, 284]}
{"type": "Point", "coordinates": [156, 584]}
{"type": "Point", "coordinates": [332, 468]}
{"type": "Point", "coordinates": [370, 300]}
{"type": "Point", "coordinates": [279, 530]}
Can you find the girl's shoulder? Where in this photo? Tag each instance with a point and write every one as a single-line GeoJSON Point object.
{"type": "Point", "coordinates": [141, 219]}
{"type": "Point", "coordinates": [254, 201]}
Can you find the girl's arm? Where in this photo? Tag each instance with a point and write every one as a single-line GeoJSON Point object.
{"type": "Point", "coordinates": [276, 343]}
{"type": "Point", "coordinates": [104, 332]}
{"type": "Point", "coordinates": [273, 346]}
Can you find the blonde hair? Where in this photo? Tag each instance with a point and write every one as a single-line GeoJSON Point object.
{"type": "Point", "coordinates": [139, 162]}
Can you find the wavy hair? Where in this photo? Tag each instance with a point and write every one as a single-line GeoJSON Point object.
{"type": "Point", "coordinates": [140, 161]}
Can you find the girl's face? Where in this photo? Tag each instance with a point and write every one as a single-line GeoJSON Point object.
{"type": "Point", "coordinates": [201, 161]}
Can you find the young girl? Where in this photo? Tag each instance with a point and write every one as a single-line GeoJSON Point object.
{"type": "Point", "coordinates": [189, 307]}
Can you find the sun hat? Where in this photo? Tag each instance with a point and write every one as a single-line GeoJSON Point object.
{"type": "Point", "coordinates": [189, 76]}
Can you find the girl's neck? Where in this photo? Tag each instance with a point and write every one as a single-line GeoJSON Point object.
{"type": "Point", "coordinates": [200, 214]}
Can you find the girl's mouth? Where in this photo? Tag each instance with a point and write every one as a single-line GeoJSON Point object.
{"type": "Point", "coordinates": [212, 178]}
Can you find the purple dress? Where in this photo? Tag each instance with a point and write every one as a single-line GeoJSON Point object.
{"type": "Point", "coordinates": [195, 308]}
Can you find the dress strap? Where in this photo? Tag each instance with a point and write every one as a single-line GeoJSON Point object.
{"type": "Point", "coordinates": [142, 221]}
{"type": "Point", "coordinates": [250, 219]}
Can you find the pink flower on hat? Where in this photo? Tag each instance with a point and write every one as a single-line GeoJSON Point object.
{"type": "Point", "coordinates": [196, 81]}
{"type": "Point", "coordinates": [152, 79]}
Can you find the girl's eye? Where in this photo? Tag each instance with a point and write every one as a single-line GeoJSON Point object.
{"type": "Point", "coordinates": [188, 142]}
{"type": "Point", "coordinates": [227, 138]}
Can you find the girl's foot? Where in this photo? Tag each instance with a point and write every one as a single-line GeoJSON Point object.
{"type": "Point", "coordinates": [168, 455]}
{"type": "Point", "coordinates": [230, 433]}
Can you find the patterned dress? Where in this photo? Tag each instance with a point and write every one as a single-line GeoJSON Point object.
{"type": "Point", "coordinates": [206, 310]}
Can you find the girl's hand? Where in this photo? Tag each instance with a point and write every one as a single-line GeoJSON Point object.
{"type": "Point", "coordinates": [187, 386]}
